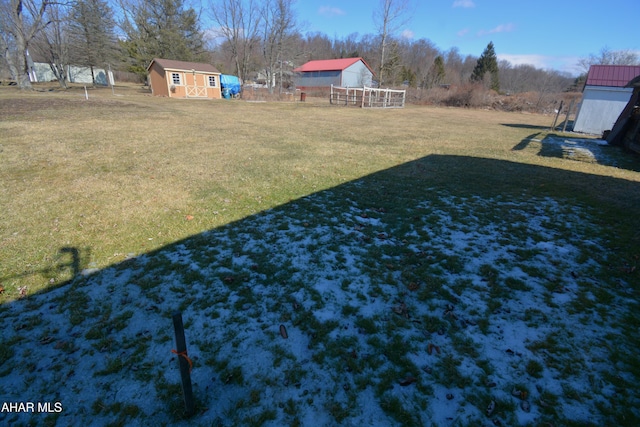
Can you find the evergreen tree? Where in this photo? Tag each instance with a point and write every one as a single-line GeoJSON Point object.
{"type": "Point", "coordinates": [408, 76]}
{"type": "Point", "coordinates": [487, 63]}
{"type": "Point", "coordinates": [161, 29]}
{"type": "Point", "coordinates": [92, 34]}
{"type": "Point", "coordinates": [436, 74]}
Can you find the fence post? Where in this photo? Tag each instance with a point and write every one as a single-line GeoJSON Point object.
{"type": "Point", "coordinates": [185, 363]}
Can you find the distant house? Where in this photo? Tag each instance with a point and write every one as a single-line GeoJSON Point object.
{"type": "Point", "coordinates": [344, 72]}
{"type": "Point", "coordinates": [604, 97]}
{"type": "Point", "coordinates": [180, 79]}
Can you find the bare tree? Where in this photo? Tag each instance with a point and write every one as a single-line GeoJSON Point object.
{"type": "Point", "coordinates": [388, 19]}
{"type": "Point", "coordinates": [238, 23]}
{"type": "Point", "coordinates": [21, 22]}
{"type": "Point", "coordinates": [606, 56]}
{"type": "Point", "coordinates": [278, 21]}
{"type": "Point", "coordinates": [317, 46]}
{"type": "Point", "coordinates": [52, 43]}
{"type": "Point", "coordinates": [92, 28]}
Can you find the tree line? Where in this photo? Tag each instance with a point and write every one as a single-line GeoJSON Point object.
{"type": "Point", "coordinates": [257, 40]}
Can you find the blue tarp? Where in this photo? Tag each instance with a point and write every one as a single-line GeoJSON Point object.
{"type": "Point", "coordinates": [231, 83]}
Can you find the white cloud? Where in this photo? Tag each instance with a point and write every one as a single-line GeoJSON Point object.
{"type": "Point", "coordinates": [502, 28]}
{"type": "Point", "coordinates": [462, 32]}
{"type": "Point", "coordinates": [538, 61]}
{"type": "Point", "coordinates": [408, 34]}
{"type": "Point", "coordinates": [464, 3]}
{"type": "Point", "coordinates": [331, 11]}
{"type": "Point", "coordinates": [561, 63]}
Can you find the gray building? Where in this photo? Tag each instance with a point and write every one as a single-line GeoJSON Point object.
{"type": "Point", "coordinates": [344, 72]}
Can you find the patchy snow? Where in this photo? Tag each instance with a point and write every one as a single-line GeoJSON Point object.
{"type": "Point", "coordinates": [394, 316]}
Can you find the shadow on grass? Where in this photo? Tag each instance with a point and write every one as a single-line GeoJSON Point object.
{"type": "Point", "coordinates": [587, 150]}
{"type": "Point", "coordinates": [457, 175]}
{"type": "Point", "coordinates": [564, 125]}
{"type": "Point", "coordinates": [525, 126]}
{"type": "Point", "coordinates": [70, 262]}
{"type": "Point", "coordinates": [615, 203]}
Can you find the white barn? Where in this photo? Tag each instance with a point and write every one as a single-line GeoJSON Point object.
{"type": "Point", "coordinates": [344, 72]}
{"type": "Point", "coordinates": [604, 97]}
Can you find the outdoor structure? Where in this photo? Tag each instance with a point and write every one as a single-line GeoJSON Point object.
{"type": "Point", "coordinates": [344, 72]}
{"type": "Point", "coordinates": [230, 85]}
{"type": "Point", "coordinates": [41, 72]}
{"type": "Point", "coordinates": [179, 79]}
{"type": "Point", "coordinates": [604, 97]}
{"type": "Point", "coordinates": [626, 131]}
{"type": "Point", "coordinates": [367, 97]}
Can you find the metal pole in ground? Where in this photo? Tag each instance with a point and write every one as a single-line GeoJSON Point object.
{"type": "Point", "coordinates": [185, 363]}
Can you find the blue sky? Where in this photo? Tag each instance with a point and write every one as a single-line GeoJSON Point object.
{"type": "Point", "coordinates": [545, 33]}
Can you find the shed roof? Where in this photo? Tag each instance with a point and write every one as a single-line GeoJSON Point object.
{"type": "Point", "coordinates": [170, 64]}
{"type": "Point", "coordinates": [612, 75]}
{"type": "Point", "coordinates": [330, 65]}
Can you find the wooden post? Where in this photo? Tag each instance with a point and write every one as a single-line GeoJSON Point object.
{"type": "Point", "coordinates": [556, 119]}
{"type": "Point", "coordinates": [185, 364]}
{"type": "Point", "coordinates": [566, 119]}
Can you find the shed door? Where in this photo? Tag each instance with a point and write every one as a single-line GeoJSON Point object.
{"type": "Point", "coordinates": [196, 87]}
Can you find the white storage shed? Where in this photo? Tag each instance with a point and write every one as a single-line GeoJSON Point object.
{"type": "Point", "coordinates": [604, 97]}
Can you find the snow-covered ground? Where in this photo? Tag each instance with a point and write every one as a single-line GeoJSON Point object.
{"type": "Point", "coordinates": [445, 311]}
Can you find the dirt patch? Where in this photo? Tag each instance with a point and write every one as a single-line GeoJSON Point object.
{"type": "Point", "coordinates": [45, 105]}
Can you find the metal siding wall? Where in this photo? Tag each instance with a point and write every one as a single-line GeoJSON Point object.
{"type": "Point", "coordinates": [600, 109]}
{"type": "Point", "coordinates": [356, 75]}
{"type": "Point", "coordinates": [318, 79]}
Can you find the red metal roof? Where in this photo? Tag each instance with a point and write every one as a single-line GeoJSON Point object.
{"type": "Point", "coordinates": [330, 65]}
{"type": "Point", "coordinates": [612, 75]}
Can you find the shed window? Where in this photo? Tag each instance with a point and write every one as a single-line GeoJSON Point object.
{"type": "Point", "coordinates": [212, 81]}
{"type": "Point", "coordinates": [175, 78]}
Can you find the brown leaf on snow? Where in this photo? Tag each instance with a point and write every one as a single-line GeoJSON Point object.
{"type": "Point", "coordinates": [490, 408]}
{"type": "Point", "coordinates": [401, 310]}
{"type": "Point", "coordinates": [283, 332]}
{"type": "Point", "coordinates": [408, 381]}
{"type": "Point", "coordinates": [431, 347]}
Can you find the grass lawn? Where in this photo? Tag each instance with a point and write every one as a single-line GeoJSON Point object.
{"type": "Point", "coordinates": [430, 265]}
